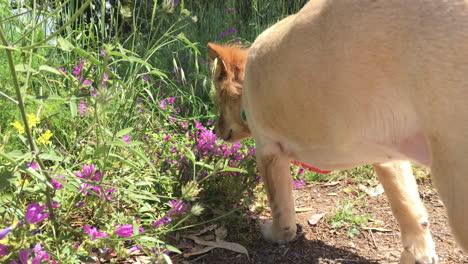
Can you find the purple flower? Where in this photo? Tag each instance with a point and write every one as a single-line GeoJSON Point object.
{"type": "Point", "coordinates": [81, 204]}
{"type": "Point", "coordinates": [89, 173]}
{"type": "Point", "coordinates": [103, 52]}
{"type": "Point", "coordinates": [178, 207]}
{"type": "Point", "coordinates": [3, 250]}
{"type": "Point", "coordinates": [145, 77]}
{"type": "Point", "coordinates": [76, 245]}
{"type": "Point", "coordinates": [35, 232]}
{"type": "Point", "coordinates": [24, 256]}
{"type": "Point", "coordinates": [232, 31]}
{"type": "Point", "coordinates": [87, 82]}
{"type": "Point", "coordinates": [40, 254]}
{"type": "Point", "coordinates": [56, 184]}
{"type": "Point", "coordinates": [161, 222]}
{"type": "Point", "coordinates": [124, 230]}
{"type": "Point", "coordinates": [126, 138]}
{"type": "Point", "coordinates": [62, 69]}
{"type": "Point", "coordinates": [135, 248]}
{"type": "Point", "coordinates": [299, 184]}
{"type": "Point", "coordinates": [34, 213]}
{"type": "Point", "coordinates": [55, 205]}
{"type": "Point", "coordinates": [162, 104]}
{"type": "Point", "coordinates": [93, 232]}
{"type": "Point", "coordinates": [167, 138]}
{"type": "Point", "coordinates": [230, 10]}
{"type": "Point", "coordinates": [77, 70]}
{"type": "Point", "coordinates": [82, 107]}
{"type": "Point", "coordinates": [4, 232]}
{"type": "Point", "coordinates": [33, 165]}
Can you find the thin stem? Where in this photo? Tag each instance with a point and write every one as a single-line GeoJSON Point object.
{"type": "Point", "coordinates": [22, 108]}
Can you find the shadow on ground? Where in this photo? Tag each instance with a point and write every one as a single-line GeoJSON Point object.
{"type": "Point", "coordinates": [299, 251]}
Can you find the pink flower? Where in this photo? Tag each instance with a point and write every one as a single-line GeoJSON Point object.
{"type": "Point", "coordinates": [82, 107]}
{"type": "Point", "coordinates": [56, 184]}
{"type": "Point", "coordinates": [3, 250]}
{"type": "Point", "coordinates": [198, 125]}
{"type": "Point", "coordinates": [124, 230]}
{"type": "Point", "coordinates": [87, 82]}
{"type": "Point", "coordinates": [89, 173]}
{"type": "Point", "coordinates": [76, 71]}
{"type": "Point", "coordinates": [167, 138]}
{"type": "Point", "coordinates": [34, 213]}
{"type": "Point", "coordinates": [33, 165]}
{"type": "Point", "coordinates": [94, 232]}
{"type": "Point", "coordinates": [126, 138]}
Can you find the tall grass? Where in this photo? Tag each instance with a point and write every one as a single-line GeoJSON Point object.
{"type": "Point", "coordinates": [105, 136]}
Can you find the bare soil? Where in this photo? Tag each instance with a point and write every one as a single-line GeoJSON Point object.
{"type": "Point", "coordinates": [321, 243]}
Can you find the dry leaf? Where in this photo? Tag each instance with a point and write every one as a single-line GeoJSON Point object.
{"type": "Point", "coordinates": [377, 190]}
{"type": "Point", "coordinates": [332, 183]}
{"type": "Point", "coordinates": [221, 233]}
{"type": "Point", "coordinates": [206, 229]}
{"type": "Point", "coordinates": [221, 244]}
{"type": "Point", "coordinates": [198, 251]}
{"type": "Point", "coordinates": [315, 218]}
{"type": "Point", "coordinates": [332, 194]}
{"type": "Point", "coordinates": [304, 209]}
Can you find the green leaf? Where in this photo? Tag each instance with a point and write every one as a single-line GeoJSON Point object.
{"type": "Point", "coordinates": [202, 164]}
{"type": "Point", "coordinates": [6, 178]}
{"type": "Point", "coordinates": [138, 153]}
{"type": "Point", "coordinates": [49, 69]}
{"type": "Point", "coordinates": [124, 132]}
{"type": "Point", "coordinates": [73, 108]}
{"type": "Point", "coordinates": [51, 156]}
{"type": "Point", "coordinates": [24, 68]}
{"type": "Point", "coordinates": [229, 169]}
{"type": "Point", "coordinates": [190, 154]}
{"type": "Point", "coordinates": [8, 157]}
{"type": "Point", "coordinates": [64, 44]}
{"type": "Point", "coordinates": [167, 259]}
{"type": "Point", "coordinates": [121, 143]}
{"type": "Point", "coordinates": [140, 61]}
{"type": "Point", "coordinates": [124, 160]}
{"type": "Point", "coordinates": [158, 73]}
{"type": "Point", "coordinates": [173, 249]}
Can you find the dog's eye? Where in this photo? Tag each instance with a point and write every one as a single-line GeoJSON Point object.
{"type": "Point", "coordinates": [222, 75]}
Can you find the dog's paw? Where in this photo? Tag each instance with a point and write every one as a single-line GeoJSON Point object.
{"type": "Point", "coordinates": [276, 233]}
{"type": "Point", "coordinates": [422, 251]}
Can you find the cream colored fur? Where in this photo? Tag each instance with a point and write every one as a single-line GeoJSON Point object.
{"type": "Point", "coordinates": [345, 83]}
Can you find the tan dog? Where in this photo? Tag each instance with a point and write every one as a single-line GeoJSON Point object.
{"type": "Point", "coordinates": [345, 83]}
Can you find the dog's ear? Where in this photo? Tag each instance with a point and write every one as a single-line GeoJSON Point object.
{"type": "Point", "coordinates": [217, 63]}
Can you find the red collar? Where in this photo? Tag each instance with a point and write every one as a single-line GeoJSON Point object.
{"type": "Point", "coordinates": [310, 168]}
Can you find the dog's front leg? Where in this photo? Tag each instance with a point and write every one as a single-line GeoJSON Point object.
{"type": "Point", "coordinates": [275, 170]}
{"type": "Point", "coordinates": [402, 192]}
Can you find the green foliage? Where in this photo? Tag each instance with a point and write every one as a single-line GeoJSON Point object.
{"type": "Point", "coordinates": [120, 118]}
{"type": "Point", "coordinates": [346, 217]}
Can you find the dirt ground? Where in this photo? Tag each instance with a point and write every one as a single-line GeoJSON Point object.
{"type": "Point", "coordinates": [321, 243]}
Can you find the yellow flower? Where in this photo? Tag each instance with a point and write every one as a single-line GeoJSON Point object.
{"type": "Point", "coordinates": [44, 138]}
{"type": "Point", "coordinates": [18, 126]}
{"type": "Point", "coordinates": [33, 120]}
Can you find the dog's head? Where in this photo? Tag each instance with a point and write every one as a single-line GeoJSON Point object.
{"type": "Point", "coordinates": [228, 66]}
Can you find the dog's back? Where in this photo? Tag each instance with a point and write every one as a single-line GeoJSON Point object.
{"type": "Point", "coordinates": [345, 83]}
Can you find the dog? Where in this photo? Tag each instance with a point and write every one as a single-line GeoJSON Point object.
{"type": "Point", "coordinates": [347, 83]}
